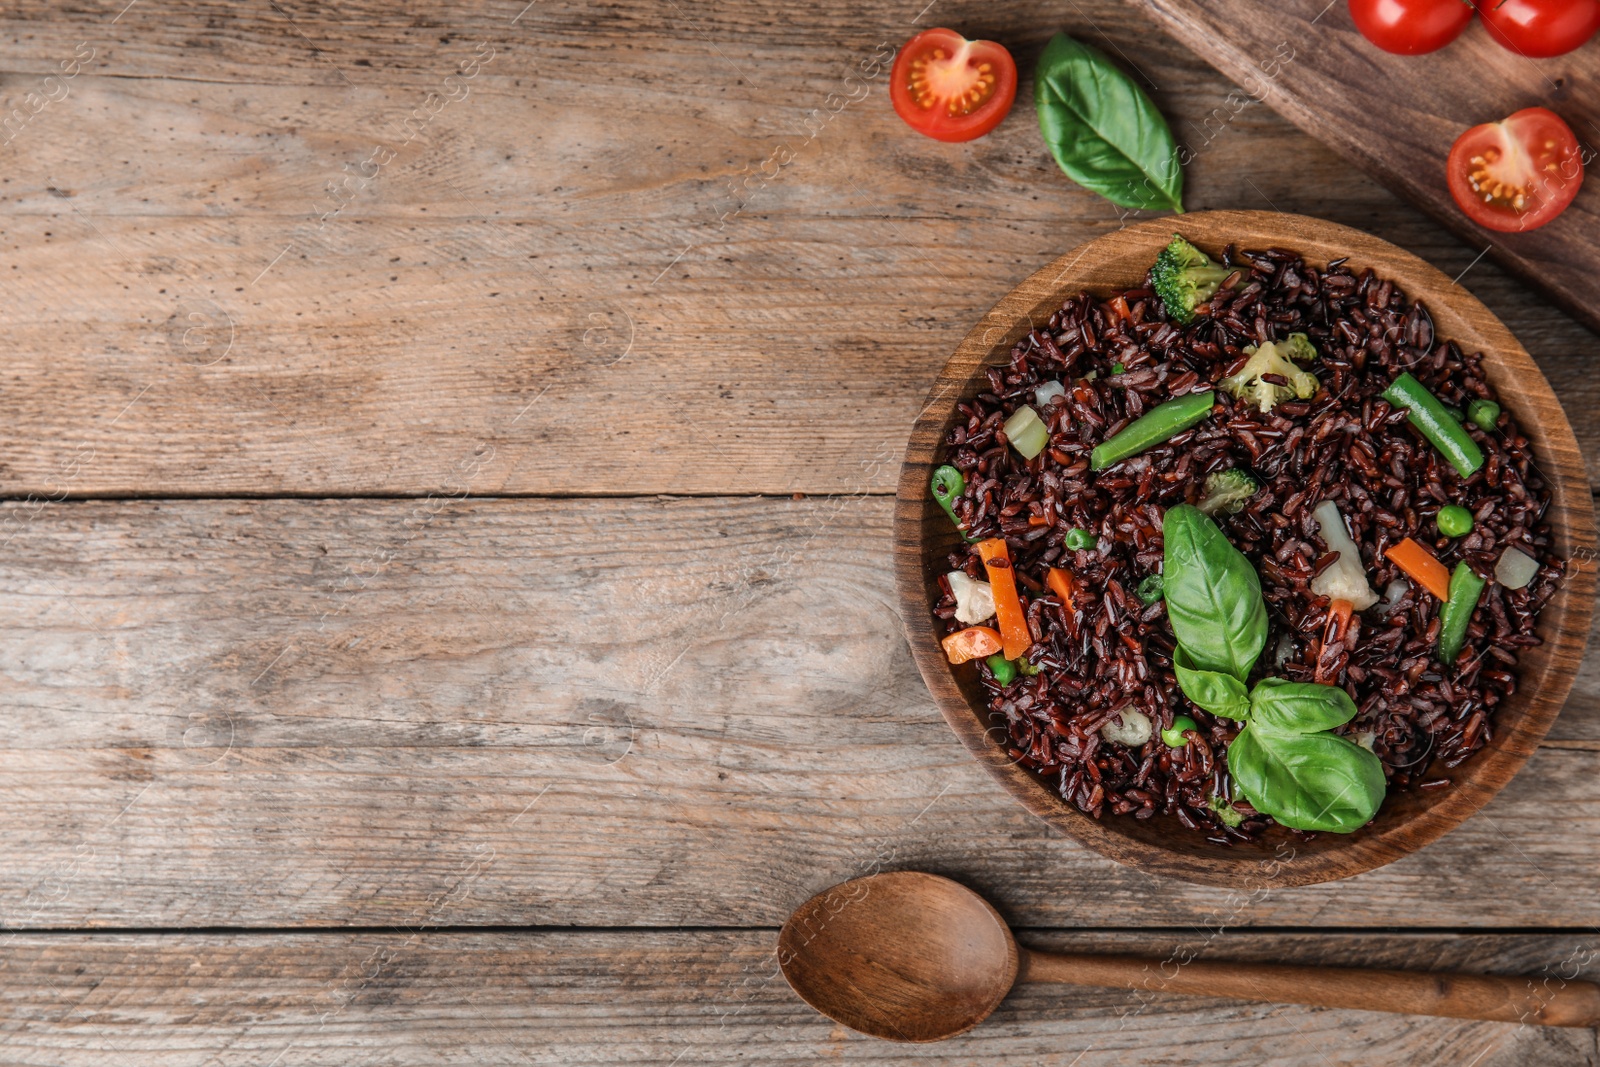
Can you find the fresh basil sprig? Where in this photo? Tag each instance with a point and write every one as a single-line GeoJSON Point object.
{"type": "Point", "coordinates": [1103, 130]}
{"type": "Point", "coordinates": [1286, 761]}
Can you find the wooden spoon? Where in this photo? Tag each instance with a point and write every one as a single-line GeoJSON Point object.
{"type": "Point", "coordinates": [910, 956]}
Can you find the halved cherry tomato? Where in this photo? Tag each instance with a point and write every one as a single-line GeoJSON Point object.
{"type": "Point", "coordinates": [950, 88]}
{"type": "Point", "coordinates": [1516, 174]}
{"type": "Point", "coordinates": [1539, 29]}
{"type": "Point", "coordinates": [1410, 27]}
{"type": "Point", "coordinates": [975, 642]}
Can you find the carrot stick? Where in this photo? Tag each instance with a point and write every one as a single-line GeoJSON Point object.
{"type": "Point", "coordinates": [1007, 605]}
{"type": "Point", "coordinates": [1420, 565]}
{"type": "Point", "coordinates": [1339, 615]}
{"type": "Point", "coordinates": [1060, 583]}
{"type": "Point", "coordinates": [1339, 612]}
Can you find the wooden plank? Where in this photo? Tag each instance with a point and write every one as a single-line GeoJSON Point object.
{"type": "Point", "coordinates": [193, 313]}
{"type": "Point", "coordinates": [703, 997]}
{"type": "Point", "coordinates": [1397, 116]}
{"type": "Point", "coordinates": [645, 711]}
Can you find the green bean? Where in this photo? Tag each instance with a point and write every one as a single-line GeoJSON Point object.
{"type": "Point", "coordinates": [1152, 428]}
{"type": "Point", "coordinates": [1079, 539]}
{"type": "Point", "coordinates": [1465, 589]}
{"type": "Point", "coordinates": [1427, 414]}
{"type": "Point", "coordinates": [948, 484]}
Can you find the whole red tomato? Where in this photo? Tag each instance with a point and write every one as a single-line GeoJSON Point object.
{"type": "Point", "coordinates": [1411, 27]}
{"type": "Point", "coordinates": [1540, 28]}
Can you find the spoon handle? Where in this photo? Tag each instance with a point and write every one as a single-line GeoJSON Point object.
{"type": "Point", "coordinates": [1547, 1002]}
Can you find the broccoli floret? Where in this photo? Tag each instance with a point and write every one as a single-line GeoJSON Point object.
{"type": "Point", "coordinates": [1184, 277]}
{"type": "Point", "coordinates": [1225, 811]}
{"type": "Point", "coordinates": [1227, 491]}
{"type": "Point", "coordinates": [1275, 357]}
{"type": "Point", "coordinates": [1298, 347]}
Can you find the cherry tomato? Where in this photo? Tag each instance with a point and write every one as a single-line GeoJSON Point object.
{"type": "Point", "coordinates": [950, 88]}
{"type": "Point", "coordinates": [1516, 174]}
{"type": "Point", "coordinates": [1540, 28]}
{"type": "Point", "coordinates": [975, 642]}
{"type": "Point", "coordinates": [1411, 27]}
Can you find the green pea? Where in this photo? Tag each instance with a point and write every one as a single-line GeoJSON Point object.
{"type": "Point", "coordinates": [1150, 590]}
{"type": "Point", "coordinates": [1485, 414]}
{"type": "Point", "coordinates": [1118, 367]}
{"type": "Point", "coordinates": [1455, 521]}
{"type": "Point", "coordinates": [1004, 671]}
{"type": "Point", "coordinates": [1173, 735]}
{"type": "Point", "coordinates": [1080, 539]}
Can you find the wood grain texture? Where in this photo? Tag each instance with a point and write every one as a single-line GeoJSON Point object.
{"type": "Point", "coordinates": [1397, 116]}
{"type": "Point", "coordinates": [703, 997]}
{"type": "Point", "coordinates": [523, 248]}
{"type": "Point", "coordinates": [580, 712]}
{"type": "Point", "coordinates": [924, 538]}
{"type": "Point", "coordinates": [629, 712]}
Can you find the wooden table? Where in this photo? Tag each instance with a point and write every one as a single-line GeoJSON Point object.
{"type": "Point", "coordinates": [446, 590]}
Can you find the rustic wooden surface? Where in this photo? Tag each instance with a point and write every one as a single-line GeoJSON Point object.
{"type": "Point", "coordinates": [580, 661]}
{"type": "Point", "coordinates": [701, 997]}
{"type": "Point", "coordinates": [1397, 116]}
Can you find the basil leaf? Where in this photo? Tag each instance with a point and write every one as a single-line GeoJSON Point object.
{"type": "Point", "coordinates": [1103, 130]}
{"type": "Point", "coordinates": [1299, 707]}
{"type": "Point", "coordinates": [1213, 594]}
{"type": "Point", "coordinates": [1307, 781]}
{"type": "Point", "coordinates": [1220, 694]}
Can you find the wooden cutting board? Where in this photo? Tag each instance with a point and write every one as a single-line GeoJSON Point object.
{"type": "Point", "coordinates": [1396, 116]}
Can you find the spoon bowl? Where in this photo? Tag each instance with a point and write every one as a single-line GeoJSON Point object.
{"type": "Point", "coordinates": [905, 955]}
{"type": "Point", "coordinates": [910, 956]}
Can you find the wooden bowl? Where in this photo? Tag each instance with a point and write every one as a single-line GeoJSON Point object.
{"type": "Point", "coordinates": [1408, 820]}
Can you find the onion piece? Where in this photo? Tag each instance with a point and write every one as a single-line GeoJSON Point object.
{"type": "Point", "coordinates": [1515, 569]}
{"type": "Point", "coordinates": [1346, 579]}
{"type": "Point", "coordinates": [1284, 652]}
{"type": "Point", "coordinates": [1134, 730]}
{"type": "Point", "coordinates": [974, 600]}
{"type": "Point", "coordinates": [1026, 432]}
{"type": "Point", "coordinates": [1047, 392]}
{"type": "Point", "coordinates": [1392, 594]}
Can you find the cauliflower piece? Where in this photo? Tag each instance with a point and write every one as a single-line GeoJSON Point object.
{"type": "Point", "coordinates": [974, 600]}
{"type": "Point", "coordinates": [1346, 579]}
{"type": "Point", "coordinates": [1133, 730]}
